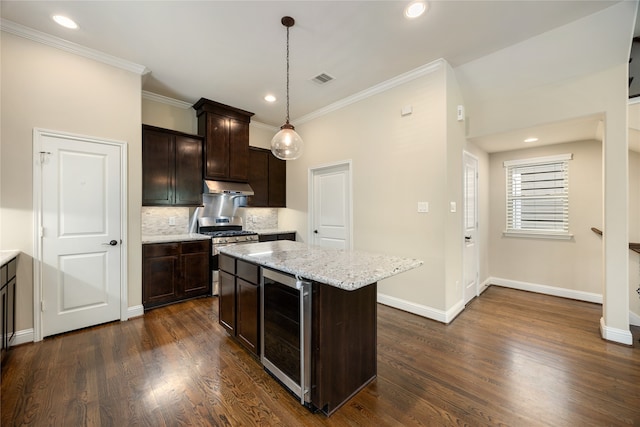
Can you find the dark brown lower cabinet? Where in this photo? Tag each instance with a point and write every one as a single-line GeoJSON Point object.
{"type": "Point", "coordinates": [278, 236]}
{"type": "Point", "coordinates": [239, 301]}
{"type": "Point", "coordinates": [344, 340]}
{"type": "Point", "coordinates": [176, 271]}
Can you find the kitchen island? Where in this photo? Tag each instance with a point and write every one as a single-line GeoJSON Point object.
{"type": "Point", "coordinates": [309, 313]}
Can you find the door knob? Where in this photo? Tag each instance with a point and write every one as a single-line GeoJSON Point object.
{"type": "Point", "coordinates": [111, 243]}
{"type": "Point", "coordinates": [467, 237]}
{"type": "Point", "coordinates": [315, 231]}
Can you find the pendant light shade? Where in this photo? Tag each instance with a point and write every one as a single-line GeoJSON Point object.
{"type": "Point", "coordinates": [287, 144]}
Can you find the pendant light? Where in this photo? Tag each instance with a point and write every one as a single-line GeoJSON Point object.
{"type": "Point", "coordinates": [287, 144]}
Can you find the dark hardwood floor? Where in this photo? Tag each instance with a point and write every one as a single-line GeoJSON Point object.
{"type": "Point", "coordinates": [511, 358]}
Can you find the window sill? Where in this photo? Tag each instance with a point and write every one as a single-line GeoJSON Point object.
{"type": "Point", "coordinates": [530, 234]}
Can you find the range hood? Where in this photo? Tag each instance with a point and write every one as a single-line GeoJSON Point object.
{"type": "Point", "coordinates": [224, 187]}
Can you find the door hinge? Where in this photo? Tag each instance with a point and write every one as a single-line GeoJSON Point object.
{"type": "Point", "coordinates": [42, 306]}
{"type": "Point", "coordinates": [41, 232]}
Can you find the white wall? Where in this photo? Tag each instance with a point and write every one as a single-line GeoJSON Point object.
{"type": "Point", "coordinates": [397, 161]}
{"type": "Point", "coordinates": [47, 88]}
{"type": "Point", "coordinates": [574, 264]}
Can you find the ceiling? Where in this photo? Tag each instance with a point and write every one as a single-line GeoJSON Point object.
{"type": "Point", "coordinates": [234, 51]}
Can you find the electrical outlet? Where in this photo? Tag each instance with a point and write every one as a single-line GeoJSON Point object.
{"type": "Point", "coordinates": [172, 220]}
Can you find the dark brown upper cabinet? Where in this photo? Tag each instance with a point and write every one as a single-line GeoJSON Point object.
{"type": "Point", "coordinates": [226, 140]}
{"type": "Point", "coordinates": [171, 168]}
{"type": "Point", "coordinates": [268, 178]}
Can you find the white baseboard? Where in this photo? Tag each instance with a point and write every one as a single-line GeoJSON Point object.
{"type": "Point", "coordinates": [484, 286]}
{"type": "Point", "coordinates": [22, 337]}
{"type": "Point", "coordinates": [422, 310]}
{"type": "Point", "coordinates": [614, 334]}
{"type": "Point", "coordinates": [135, 311]}
{"type": "Point", "coordinates": [545, 289]}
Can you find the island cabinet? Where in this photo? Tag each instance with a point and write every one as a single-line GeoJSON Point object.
{"type": "Point", "coordinates": [226, 140]}
{"type": "Point", "coordinates": [268, 178]}
{"type": "Point", "coordinates": [175, 271]}
{"type": "Point", "coordinates": [7, 304]}
{"type": "Point", "coordinates": [239, 301]}
{"type": "Point", "coordinates": [271, 237]}
{"type": "Point", "coordinates": [171, 168]}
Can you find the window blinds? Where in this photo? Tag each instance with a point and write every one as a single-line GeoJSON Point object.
{"type": "Point", "coordinates": [538, 195]}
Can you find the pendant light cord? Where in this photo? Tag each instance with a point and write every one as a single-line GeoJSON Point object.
{"type": "Point", "coordinates": [287, 74]}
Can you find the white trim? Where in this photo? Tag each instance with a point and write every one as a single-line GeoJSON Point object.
{"type": "Point", "coordinates": [422, 310]}
{"type": "Point", "coordinates": [135, 311]}
{"type": "Point", "coordinates": [538, 234]}
{"type": "Point", "coordinates": [484, 285]}
{"type": "Point", "coordinates": [634, 100]}
{"type": "Point", "coordinates": [634, 319]}
{"type": "Point", "coordinates": [22, 337]}
{"type": "Point", "coordinates": [539, 160]}
{"type": "Point", "coordinates": [374, 90]}
{"type": "Point", "coordinates": [547, 290]}
{"type": "Point", "coordinates": [166, 100]}
{"type": "Point", "coordinates": [621, 336]}
{"type": "Point", "coordinates": [38, 133]}
{"type": "Point", "coordinates": [261, 125]}
{"type": "Point", "coordinates": [310, 192]}
{"type": "Point", "coordinates": [58, 43]}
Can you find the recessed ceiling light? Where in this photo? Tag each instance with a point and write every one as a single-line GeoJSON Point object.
{"type": "Point", "coordinates": [415, 9]}
{"type": "Point", "coordinates": [270, 98]}
{"type": "Point", "coordinates": [65, 22]}
{"type": "Point", "coordinates": [534, 139]}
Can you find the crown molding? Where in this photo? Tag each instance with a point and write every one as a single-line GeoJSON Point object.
{"type": "Point", "coordinates": [261, 125]}
{"type": "Point", "coordinates": [58, 43]}
{"type": "Point", "coordinates": [373, 90]}
{"type": "Point", "coordinates": [166, 100]}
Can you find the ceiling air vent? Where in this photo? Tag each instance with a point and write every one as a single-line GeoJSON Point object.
{"type": "Point", "coordinates": [322, 78]}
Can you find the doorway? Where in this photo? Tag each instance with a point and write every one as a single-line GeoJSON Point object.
{"type": "Point", "coordinates": [470, 255]}
{"type": "Point", "coordinates": [330, 206]}
{"type": "Point", "coordinates": [80, 226]}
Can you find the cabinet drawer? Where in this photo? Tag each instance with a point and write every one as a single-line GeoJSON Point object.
{"type": "Point", "coordinates": [247, 271]}
{"type": "Point", "coordinates": [160, 249]}
{"type": "Point", "coordinates": [227, 263]}
{"type": "Point", "coordinates": [197, 246]}
{"type": "Point", "coordinates": [287, 236]}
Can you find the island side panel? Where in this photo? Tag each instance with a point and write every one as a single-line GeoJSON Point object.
{"type": "Point", "coordinates": [344, 343]}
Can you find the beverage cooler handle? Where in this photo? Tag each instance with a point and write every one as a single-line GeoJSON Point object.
{"type": "Point", "coordinates": [305, 340]}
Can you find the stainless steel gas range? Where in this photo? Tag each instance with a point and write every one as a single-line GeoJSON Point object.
{"type": "Point", "coordinates": [224, 232]}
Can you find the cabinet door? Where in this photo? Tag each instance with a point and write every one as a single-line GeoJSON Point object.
{"type": "Point", "coordinates": [216, 165]}
{"type": "Point", "coordinates": [259, 177]}
{"type": "Point", "coordinates": [238, 150]}
{"type": "Point", "coordinates": [3, 316]}
{"type": "Point", "coordinates": [227, 301]}
{"type": "Point", "coordinates": [277, 182]}
{"type": "Point", "coordinates": [195, 269]}
{"type": "Point", "coordinates": [158, 170]}
{"type": "Point", "coordinates": [160, 274]}
{"type": "Point", "coordinates": [248, 314]}
{"type": "Point", "coordinates": [188, 181]}
{"type": "Point", "coordinates": [10, 329]}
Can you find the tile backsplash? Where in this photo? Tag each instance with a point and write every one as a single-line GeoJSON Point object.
{"type": "Point", "coordinates": [257, 219]}
{"type": "Point", "coordinates": [157, 221]}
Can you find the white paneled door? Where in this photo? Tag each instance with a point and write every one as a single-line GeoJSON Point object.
{"type": "Point", "coordinates": [331, 206]}
{"type": "Point", "coordinates": [470, 250]}
{"type": "Point", "coordinates": [80, 232]}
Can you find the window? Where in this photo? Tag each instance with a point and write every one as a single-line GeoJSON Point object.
{"type": "Point", "coordinates": [538, 197]}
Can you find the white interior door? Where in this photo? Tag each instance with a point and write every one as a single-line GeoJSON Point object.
{"type": "Point", "coordinates": [81, 232]}
{"type": "Point", "coordinates": [470, 232]}
{"type": "Point", "coordinates": [330, 209]}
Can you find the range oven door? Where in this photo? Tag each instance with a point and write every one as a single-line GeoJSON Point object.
{"type": "Point", "coordinates": [286, 331]}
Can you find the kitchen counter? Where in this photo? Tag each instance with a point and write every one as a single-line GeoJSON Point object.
{"type": "Point", "coordinates": [348, 270]}
{"type": "Point", "coordinates": [174, 238]}
{"type": "Point", "coordinates": [8, 255]}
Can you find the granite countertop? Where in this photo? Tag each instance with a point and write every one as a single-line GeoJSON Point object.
{"type": "Point", "coordinates": [347, 270]}
{"type": "Point", "coordinates": [273, 231]}
{"type": "Point", "coordinates": [6, 256]}
{"type": "Point", "coordinates": [174, 238]}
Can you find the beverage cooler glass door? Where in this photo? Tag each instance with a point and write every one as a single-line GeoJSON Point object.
{"type": "Point", "coordinates": [286, 331]}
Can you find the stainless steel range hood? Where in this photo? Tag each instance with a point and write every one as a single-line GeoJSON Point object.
{"type": "Point", "coordinates": [223, 187]}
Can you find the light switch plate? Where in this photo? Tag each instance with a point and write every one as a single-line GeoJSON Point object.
{"type": "Point", "coordinates": [423, 207]}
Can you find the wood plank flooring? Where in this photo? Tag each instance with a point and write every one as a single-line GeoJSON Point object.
{"type": "Point", "coordinates": [511, 358]}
